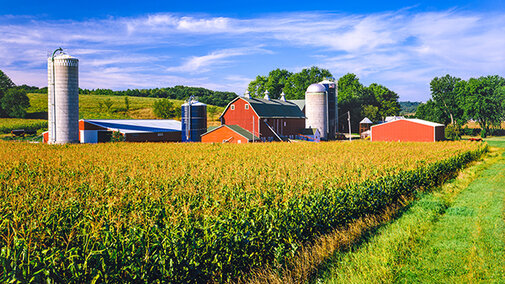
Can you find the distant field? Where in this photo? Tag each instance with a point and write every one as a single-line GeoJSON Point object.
{"type": "Point", "coordinates": [9, 124]}
{"type": "Point", "coordinates": [89, 107]}
{"type": "Point", "coordinates": [140, 212]}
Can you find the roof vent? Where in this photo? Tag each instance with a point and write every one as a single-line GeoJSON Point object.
{"type": "Point", "coordinates": [247, 95]}
{"type": "Point", "coordinates": [267, 97]}
{"type": "Point", "coordinates": [283, 96]}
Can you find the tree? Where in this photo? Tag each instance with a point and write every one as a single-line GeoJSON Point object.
{"type": "Point", "coordinates": [164, 108]}
{"type": "Point", "coordinates": [372, 112]}
{"type": "Point", "coordinates": [429, 111]}
{"type": "Point", "coordinates": [351, 98]}
{"type": "Point", "coordinates": [387, 100]}
{"type": "Point", "coordinates": [5, 82]}
{"type": "Point", "coordinates": [257, 86]}
{"type": "Point", "coordinates": [274, 83]}
{"type": "Point", "coordinates": [444, 92]}
{"type": "Point", "coordinates": [15, 102]}
{"type": "Point", "coordinates": [483, 101]}
{"type": "Point", "coordinates": [297, 84]}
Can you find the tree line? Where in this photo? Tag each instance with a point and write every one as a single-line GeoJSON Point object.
{"type": "Point", "coordinates": [210, 97]}
{"type": "Point", "coordinates": [455, 101]}
{"type": "Point", "coordinates": [374, 101]}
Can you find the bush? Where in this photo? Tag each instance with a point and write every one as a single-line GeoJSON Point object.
{"type": "Point", "coordinates": [117, 137]}
{"type": "Point", "coordinates": [453, 132]}
{"type": "Point", "coordinates": [164, 108]}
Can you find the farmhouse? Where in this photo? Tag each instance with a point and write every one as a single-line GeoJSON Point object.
{"type": "Point", "coordinates": [134, 130]}
{"type": "Point", "coordinates": [408, 130]}
{"type": "Point", "coordinates": [269, 120]}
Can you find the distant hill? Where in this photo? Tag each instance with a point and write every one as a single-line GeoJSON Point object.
{"type": "Point", "coordinates": [94, 107]}
{"type": "Point", "coordinates": [216, 98]}
{"type": "Point", "coordinates": [408, 107]}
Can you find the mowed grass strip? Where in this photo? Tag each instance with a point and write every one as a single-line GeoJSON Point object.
{"type": "Point", "coordinates": [467, 244]}
{"type": "Point", "coordinates": [419, 247]}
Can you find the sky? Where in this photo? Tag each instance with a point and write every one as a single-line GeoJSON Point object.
{"type": "Point", "coordinates": [222, 45]}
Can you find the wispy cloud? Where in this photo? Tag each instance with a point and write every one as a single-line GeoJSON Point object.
{"type": "Point", "coordinates": [400, 49]}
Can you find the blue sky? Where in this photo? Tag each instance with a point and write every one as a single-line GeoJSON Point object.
{"type": "Point", "coordinates": [223, 45]}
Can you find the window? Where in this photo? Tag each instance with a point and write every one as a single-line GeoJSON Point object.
{"type": "Point", "coordinates": [232, 107]}
{"type": "Point", "coordinates": [160, 134]}
{"type": "Point", "coordinates": [284, 123]}
{"type": "Point", "coordinates": [246, 106]}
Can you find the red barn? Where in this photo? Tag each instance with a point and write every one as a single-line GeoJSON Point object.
{"type": "Point", "coordinates": [267, 119]}
{"type": "Point", "coordinates": [408, 130]}
{"type": "Point", "coordinates": [228, 134]}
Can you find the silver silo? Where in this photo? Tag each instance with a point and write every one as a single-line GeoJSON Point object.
{"type": "Point", "coordinates": [63, 101]}
{"type": "Point", "coordinates": [316, 109]}
{"type": "Point", "coordinates": [331, 88]}
{"type": "Point", "coordinates": [193, 120]}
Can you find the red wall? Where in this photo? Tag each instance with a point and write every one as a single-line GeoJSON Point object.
{"type": "Point", "coordinates": [223, 133]}
{"type": "Point", "coordinates": [244, 118]}
{"type": "Point", "coordinates": [403, 130]}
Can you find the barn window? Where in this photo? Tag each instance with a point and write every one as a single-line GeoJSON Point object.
{"type": "Point", "coordinates": [246, 106]}
{"type": "Point", "coordinates": [232, 107]}
{"type": "Point", "coordinates": [160, 134]}
{"type": "Point", "coordinates": [284, 123]}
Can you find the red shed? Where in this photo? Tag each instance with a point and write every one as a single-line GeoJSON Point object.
{"type": "Point", "coordinates": [408, 130]}
{"type": "Point", "coordinates": [268, 119]}
{"type": "Point", "coordinates": [228, 134]}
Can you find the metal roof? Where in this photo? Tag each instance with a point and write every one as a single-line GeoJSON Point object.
{"type": "Point", "coordinates": [415, 120]}
{"type": "Point", "coordinates": [316, 88]}
{"type": "Point", "coordinates": [237, 129]}
{"type": "Point", "coordinates": [366, 120]}
{"type": "Point", "coordinates": [299, 103]}
{"type": "Point", "coordinates": [275, 108]}
{"type": "Point", "coordinates": [137, 125]}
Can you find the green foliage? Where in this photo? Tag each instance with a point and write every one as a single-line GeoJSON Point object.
{"type": "Point", "coordinates": [453, 132]}
{"type": "Point", "coordinates": [15, 102]}
{"type": "Point", "coordinates": [164, 108]}
{"type": "Point", "coordinates": [483, 101]}
{"type": "Point", "coordinates": [274, 83]}
{"type": "Point", "coordinates": [297, 83]}
{"type": "Point", "coordinates": [5, 82]}
{"type": "Point", "coordinates": [372, 112]}
{"type": "Point", "coordinates": [353, 97]}
{"type": "Point", "coordinates": [446, 95]}
{"type": "Point", "coordinates": [408, 107]}
{"type": "Point", "coordinates": [117, 137]}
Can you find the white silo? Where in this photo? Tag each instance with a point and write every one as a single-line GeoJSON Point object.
{"type": "Point", "coordinates": [63, 98]}
{"type": "Point", "coordinates": [316, 109]}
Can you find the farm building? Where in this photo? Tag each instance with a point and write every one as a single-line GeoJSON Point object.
{"type": "Point", "coordinates": [270, 120]}
{"type": "Point", "coordinates": [408, 130]}
{"type": "Point", "coordinates": [229, 134]}
{"type": "Point", "coordinates": [134, 130]}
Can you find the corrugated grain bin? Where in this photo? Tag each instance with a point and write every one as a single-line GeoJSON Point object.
{"type": "Point", "coordinates": [194, 121]}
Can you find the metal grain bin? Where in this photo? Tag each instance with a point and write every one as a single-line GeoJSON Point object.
{"type": "Point", "coordinates": [194, 121]}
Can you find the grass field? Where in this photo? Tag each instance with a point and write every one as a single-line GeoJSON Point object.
{"type": "Point", "coordinates": [89, 107]}
{"type": "Point", "coordinates": [454, 235]}
{"type": "Point", "coordinates": [194, 212]}
{"type": "Point", "coordinates": [9, 124]}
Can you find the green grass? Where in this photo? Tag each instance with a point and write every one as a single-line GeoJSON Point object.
{"type": "Point", "coordinates": [453, 235]}
{"type": "Point", "coordinates": [89, 107]}
{"type": "Point", "coordinates": [9, 124]}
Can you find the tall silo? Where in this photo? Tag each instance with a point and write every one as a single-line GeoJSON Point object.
{"type": "Point", "coordinates": [331, 88]}
{"type": "Point", "coordinates": [63, 98]}
{"type": "Point", "coordinates": [316, 109]}
{"type": "Point", "coordinates": [194, 120]}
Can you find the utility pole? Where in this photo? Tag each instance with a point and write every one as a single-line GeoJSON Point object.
{"type": "Point", "coordinates": [349, 121]}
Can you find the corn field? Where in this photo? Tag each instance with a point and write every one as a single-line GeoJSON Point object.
{"type": "Point", "coordinates": [151, 212]}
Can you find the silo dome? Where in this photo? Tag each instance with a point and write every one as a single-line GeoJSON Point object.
{"type": "Point", "coordinates": [316, 88]}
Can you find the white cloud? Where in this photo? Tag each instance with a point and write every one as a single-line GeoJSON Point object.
{"type": "Point", "coordinates": [402, 50]}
